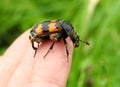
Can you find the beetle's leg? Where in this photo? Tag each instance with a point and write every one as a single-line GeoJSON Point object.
{"type": "Point", "coordinates": [35, 48]}
{"type": "Point", "coordinates": [35, 53]}
{"type": "Point", "coordinates": [49, 49]}
{"type": "Point", "coordinates": [65, 43]}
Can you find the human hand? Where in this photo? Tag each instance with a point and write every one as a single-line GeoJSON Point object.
{"type": "Point", "coordinates": [18, 67]}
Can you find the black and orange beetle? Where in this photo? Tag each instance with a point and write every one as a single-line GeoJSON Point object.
{"type": "Point", "coordinates": [54, 30]}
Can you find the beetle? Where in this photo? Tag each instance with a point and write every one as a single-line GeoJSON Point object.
{"type": "Point", "coordinates": [54, 30]}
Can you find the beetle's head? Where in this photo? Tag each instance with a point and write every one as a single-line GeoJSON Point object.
{"type": "Point", "coordinates": [76, 40]}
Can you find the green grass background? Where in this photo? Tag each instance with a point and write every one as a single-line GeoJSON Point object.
{"type": "Point", "coordinates": [96, 21]}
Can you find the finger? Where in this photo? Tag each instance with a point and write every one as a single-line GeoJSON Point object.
{"type": "Point", "coordinates": [54, 69]}
{"type": "Point", "coordinates": [10, 60]}
{"type": "Point", "coordinates": [18, 47]}
{"type": "Point", "coordinates": [23, 72]}
{"type": "Point", "coordinates": [24, 69]}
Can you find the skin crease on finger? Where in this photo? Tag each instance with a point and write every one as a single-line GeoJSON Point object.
{"type": "Point", "coordinates": [39, 71]}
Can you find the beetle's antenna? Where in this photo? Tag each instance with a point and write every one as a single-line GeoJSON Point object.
{"type": "Point", "coordinates": [87, 43]}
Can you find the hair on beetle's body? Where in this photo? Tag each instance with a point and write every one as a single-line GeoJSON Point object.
{"type": "Point", "coordinates": [54, 30]}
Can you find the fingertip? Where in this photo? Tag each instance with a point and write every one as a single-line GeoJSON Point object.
{"type": "Point", "coordinates": [54, 66]}
{"type": "Point", "coordinates": [58, 50]}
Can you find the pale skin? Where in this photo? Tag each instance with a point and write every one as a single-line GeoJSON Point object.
{"type": "Point", "coordinates": [18, 67]}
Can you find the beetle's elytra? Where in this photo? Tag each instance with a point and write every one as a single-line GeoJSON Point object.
{"type": "Point", "coordinates": [54, 30]}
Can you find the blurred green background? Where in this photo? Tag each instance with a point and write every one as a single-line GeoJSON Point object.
{"type": "Point", "coordinates": [96, 21]}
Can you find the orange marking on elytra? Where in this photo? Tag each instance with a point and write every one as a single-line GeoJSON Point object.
{"type": "Point", "coordinates": [52, 28]}
{"type": "Point", "coordinates": [39, 29]}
